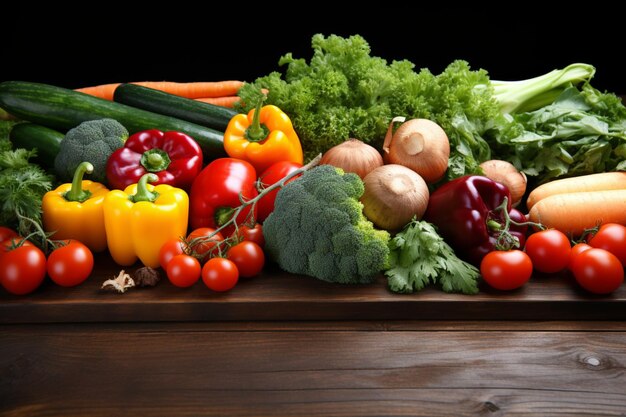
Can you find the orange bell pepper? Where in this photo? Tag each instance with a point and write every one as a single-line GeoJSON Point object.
{"type": "Point", "coordinates": [262, 137]}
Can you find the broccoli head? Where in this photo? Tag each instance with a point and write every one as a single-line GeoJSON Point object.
{"type": "Point", "coordinates": [92, 141]}
{"type": "Point", "coordinates": [318, 228]}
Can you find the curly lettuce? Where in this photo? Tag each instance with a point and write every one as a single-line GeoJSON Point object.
{"type": "Point", "coordinates": [345, 92]}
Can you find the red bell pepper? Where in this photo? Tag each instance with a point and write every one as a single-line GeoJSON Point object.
{"type": "Point", "coordinates": [174, 157]}
{"type": "Point", "coordinates": [216, 192]}
{"type": "Point", "coordinates": [467, 215]}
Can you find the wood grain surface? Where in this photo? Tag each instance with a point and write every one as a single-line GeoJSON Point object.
{"type": "Point", "coordinates": [276, 295]}
{"type": "Point", "coordinates": [346, 369]}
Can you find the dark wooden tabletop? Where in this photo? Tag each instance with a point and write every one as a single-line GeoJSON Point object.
{"type": "Point", "coordinates": [286, 345]}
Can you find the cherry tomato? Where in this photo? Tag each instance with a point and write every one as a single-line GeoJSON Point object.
{"type": "Point", "coordinates": [220, 274]}
{"type": "Point", "coordinates": [272, 175]}
{"type": "Point", "coordinates": [23, 269]}
{"type": "Point", "coordinates": [252, 234]}
{"type": "Point", "coordinates": [549, 250]}
{"type": "Point", "coordinates": [71, 264]}
{"type": "Point", "coordinates": [506, 270]}
{"type": "Point", "coordinates": [577, 249]}
{"type": "Point", "coordinates": [598, 271]}
{"type": "Point", "coordinates": [611, 237]}
{"type": "Point", "coordinates": [207, 248]}
{"type": "Point", "coordinates": [7, 233]}
{"type": "Point", "coordinates": [249, 258]}
{"type": "Point", "coordinates": [183, 270]}
{"type": "Point", "coordinates": [170, 249]}
{"type": "Point", "coordinates": [13, 242]}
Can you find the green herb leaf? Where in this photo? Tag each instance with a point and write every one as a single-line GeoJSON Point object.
{"type": "Point", "coordinates": [419, 256]}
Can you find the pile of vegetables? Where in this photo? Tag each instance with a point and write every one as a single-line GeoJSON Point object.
{"type": "Point", "coordinates": [345, 168]}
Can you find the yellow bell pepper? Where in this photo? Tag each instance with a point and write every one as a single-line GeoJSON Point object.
{"type": "Point", "coordinates": [140, 219]}
{"type": "Point", "coordinates": [262, 137]}
{"type": "Point", "coordinates": [74, 210]}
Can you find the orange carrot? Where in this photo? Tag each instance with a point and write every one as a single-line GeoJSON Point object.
{"type": "Point", "coordinates": [583, 183]}
{"type": "Point", "coordinates": [572, 213]}
{"type": "Point", "coordinates": [188, 90]}
{"type": "Point", "coordinates": [227, 101]}
{"type": "Point", "coordinates": [104, 91]}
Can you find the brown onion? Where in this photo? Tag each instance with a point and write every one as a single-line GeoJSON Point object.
{"type": "Point", "coordinates": [393, 195]}
{"type": "Point", "coordinates": [353, 156]}
{"type": "Point", "coordinates": [419, 144]}
{"type": "Point", "coordinates": [505, 173]}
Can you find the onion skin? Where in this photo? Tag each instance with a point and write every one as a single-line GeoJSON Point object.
{"type": "Point", "coordinates": [353, 156]}
{"type": "Point", "coordinates": [393, 195]}
{"type": "Point", "coordinates": [506, 174]}
{"type": "Point", "coordinates": [421, 145]}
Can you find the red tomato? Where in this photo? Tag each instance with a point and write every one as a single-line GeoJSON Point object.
{"type": "Point", "coordinates": [7, 233]}
{"type": "Point", "coordinates": [23, 269]}
{"type": "Point", "coordinates": [71, 264]}
{"type": "Point", "coordinates": [611, 237]}
{"type": "Point", "coordinates": [254, 234]}
{"type": "Point", "coordinates": [170, 249]}
{"type": "Point", "coordinates": [506, 270]}
{"type": "Point", "coordinates": [272, 175]}
{"type": "Point", "coordinates": [549, 250]}
{"type": "Point", "coordinates": [598, 271]}
{"type": "Point", "coordinates": [205, 248]}
{"type": "Point", "coordinates": [577, 249]}
{"type": "Point", "coordinates": [13, 242]}
{"type": "Point", "coordinates": [220, 274]}
{"type": "Point", "coordinates": [249, 258]}
{"type": "Point", "coordinates": [183, 270]}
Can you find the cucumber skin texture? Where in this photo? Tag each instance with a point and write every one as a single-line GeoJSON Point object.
{"type": "Point", "coordinates": [63, 109]}
{"type": "Point", "coordinates": [203, 114]}
{"type": "Point", "coordinates": [29, 136]}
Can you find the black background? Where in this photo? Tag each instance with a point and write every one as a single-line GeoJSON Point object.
{"type": "Point", "coordinates": [111, 42]}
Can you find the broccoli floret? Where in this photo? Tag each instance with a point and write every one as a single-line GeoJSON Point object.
{"type": "Point", "coordinates": [93, 141]}
{"type": "Point", "coordinates": [318, 228]}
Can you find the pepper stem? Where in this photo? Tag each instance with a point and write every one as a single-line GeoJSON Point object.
{"type": "Point", "coordinates": [76, 193]}
{"type": "Point", "coordinates": [223, 215]}
{"type": "Point", "coordinates": [143, 194]}
{"type": "Point", "coordinates": [256, 132]}
{"type": "Point", "coordinates": [155, 160]}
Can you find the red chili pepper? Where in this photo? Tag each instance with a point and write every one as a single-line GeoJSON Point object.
{"type": "Point", "coordinates": [464, 211]}
{"type": "Point", "coordinates": [216, 192]}
{"type": "Point", "coordinates": [174, 157]}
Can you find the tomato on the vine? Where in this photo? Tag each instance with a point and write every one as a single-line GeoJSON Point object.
{"type": "Point", "coordinates": [249, 258]}
{"type": "Point", "coordinates": [12, 243]}
{"type": "Point", "coordinates": [70, 264]}
{"type": "Point", "coordinates": [506, 270]}
{"type": "Point", "coordinates": [170, 248]}
{"type": "Point", "coordinates": [183, 270]}
{"type": "Point", "coordinates": [252, 234]}
{"type": "Point", "coordinates": [611, 237]}
{"type": "Point", "coordinates": [577, 249]}
{"type": "Point", "coordinates": [205, 248]}
{"type": "Point", "coordinates": [598, 271]}
{"type": "Point", "coordinates": [220, 274]}
{"type": "Point", "coordinates": [272, 175]}
{"type": "Point", "coordinates": [549, 250]}
{"type": "Point", "coordinates": [23, 269]}
{"type": "Point", "coordinates": [7, 233]}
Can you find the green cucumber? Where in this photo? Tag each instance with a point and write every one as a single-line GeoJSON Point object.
{"type": "Point", "coordinates": [204, 114]}
{"type": "Point", "coordinates": [30, 136]}
{"type": "Point", "coordinates": [63, 109]}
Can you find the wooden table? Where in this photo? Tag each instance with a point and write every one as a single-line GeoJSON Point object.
{"type": "Point", "coordinates": [287, 345]}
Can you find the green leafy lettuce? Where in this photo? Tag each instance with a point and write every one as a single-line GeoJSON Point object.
{"type": "Point", "coordinates": [581, 132]}
{"type": "Point", "coordinates": [344, 92]}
